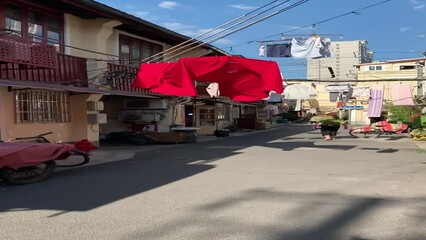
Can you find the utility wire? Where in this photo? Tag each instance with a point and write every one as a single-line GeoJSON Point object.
{"type": "Point", "coordinates": [246, 26]}
{"type": "Point", "coordinates": [356, 12]}
{"type": "Point", "coordinates": [239, 29]}
{"type": "Point", "coordinates": [191, 41]}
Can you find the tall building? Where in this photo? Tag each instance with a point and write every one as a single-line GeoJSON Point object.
{"type": "Point", "coordinates": [338, 68]}
{"type": "Point", "coordinates": [341, 66]}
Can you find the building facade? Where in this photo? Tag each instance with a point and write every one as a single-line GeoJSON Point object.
{"type": "Point", "coordinates": [336, 69]}
{"type": "Point", "coordinates": [68, 67]}
{"type": "Point", "coordinates": [391, 76]}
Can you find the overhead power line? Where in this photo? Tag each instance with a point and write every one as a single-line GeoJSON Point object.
{"type": "Point", "coordinates": [356, 12]}
{"type": "Point", "coordinates": [218, 36]}
{"type": "Point", "coordinates": [248, 25]}
{"type": "Point", "coordinates": [213, 32]}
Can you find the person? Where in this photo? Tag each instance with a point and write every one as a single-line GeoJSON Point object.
{"type": "Point", "coordinates": [329, 128]}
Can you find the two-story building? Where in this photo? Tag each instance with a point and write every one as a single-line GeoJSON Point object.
{"type": "Point", "coordinates": [67, 67]}
{"type": "Point", "coordinates": [401, 82]}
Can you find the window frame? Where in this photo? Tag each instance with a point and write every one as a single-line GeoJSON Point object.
{"type": "Point", "coordinates": [40, 106]}
{"type": "Point", "coordinates": [407, 67]}
{"type": "Point", "coordinates": [375, 68]}
{"type": "Point", "coordinates": [45, 14]}
{"type": "Point", "coordinates": [142, 44]}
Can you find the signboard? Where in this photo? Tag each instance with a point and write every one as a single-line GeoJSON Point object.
{"type": "Point", "coordinates": [352, 107]}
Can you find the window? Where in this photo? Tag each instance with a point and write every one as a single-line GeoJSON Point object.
{"type": "Point", "coordinates": [36, 106]}
{"type": "Point", "coordinates": [207, 116]}
{"type": "Point", "coordinates": [33, 25]}
{"type": "Point", "coordinates": [13, 20]}
{"type": "Point", "coordinates": [375, 68]}
{"type": "Point", "coordinates": [133, 50]}
{"type": "Point", "coordinates": [223, 112]}
{"type": "Point", "coordinates": [407, 67]}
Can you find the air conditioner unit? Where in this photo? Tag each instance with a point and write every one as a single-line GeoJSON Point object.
{"type": "Point", "coordinates": [135, 116]}
{"type": "Point", "coordinates": [95, 106]}
{"type": "Point", "coordinates": [97, 118]}
{"type": "Point", "coordinates": [142, 104]}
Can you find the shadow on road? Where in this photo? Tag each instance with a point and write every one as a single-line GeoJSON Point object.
{"type": "Point", "coordinates": [89, 187]}
{"type": "Point", "coordinates": [313, 216]}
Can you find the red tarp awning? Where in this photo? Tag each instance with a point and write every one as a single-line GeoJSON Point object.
{"type": "Point", "coordinates": [241, 79]}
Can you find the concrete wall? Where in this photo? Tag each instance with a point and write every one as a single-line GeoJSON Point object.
{"type": "Point", "coordinates": [75, 130]}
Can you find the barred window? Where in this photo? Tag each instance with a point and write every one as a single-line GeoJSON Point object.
{"type": "Point", "coordinates": [36, 106]}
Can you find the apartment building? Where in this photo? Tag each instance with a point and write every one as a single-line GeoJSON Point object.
{"type": "Point", "coordinates": [337, 69]}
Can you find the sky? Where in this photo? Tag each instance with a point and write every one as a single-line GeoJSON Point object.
{"type": "Point", "coordinates": [394, 29]}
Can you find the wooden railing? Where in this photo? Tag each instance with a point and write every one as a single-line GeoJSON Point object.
{"type": "Point", "coordinates": [16, 50]}
{"type": "Point", "coordinates": [70, 70]}
{"type": "Point", "coordinates": [120, 77]}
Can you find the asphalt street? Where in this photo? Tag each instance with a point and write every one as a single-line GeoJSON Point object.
{"type": "Point", "coordinates": [285, 183]}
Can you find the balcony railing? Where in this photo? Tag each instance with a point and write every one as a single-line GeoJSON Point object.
{"type": "Point", "coordinates": [16, 50]}
{"type": "Point", "coordinates": [70, 70]}
{"type": "Point", "coordinates": [120, 77]}
{"type": "Point", "coordinates": [31, 61]}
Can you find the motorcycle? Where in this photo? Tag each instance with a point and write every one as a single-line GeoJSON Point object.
{"type": "Point", "coordinates": [33, 159]}
{"type": "Point", "coordinates": [380, 128]}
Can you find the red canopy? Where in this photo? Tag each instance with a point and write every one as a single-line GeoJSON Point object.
{"type": "Point", "coordinates": [241, 79]}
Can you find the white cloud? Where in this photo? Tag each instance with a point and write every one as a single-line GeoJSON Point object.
{"type": "Point", "coordinates": [419, 7]}
{"type": "Point", "coordinates": [404, 29]}
{"type": "Point", "coordinates": [129, 6]}
{"type": "Point", "coordinates": [242, 6]}
{"type": "Point", "coordinates": [291, 27]}
{"type": "Point", "coordinates": [140, 13]}
{"type": "Point", "coordinates": [224, 41]}
{"type": "Point", "coordinates": [168, 4]}
{"type": "Point", "coordinates": [188, 30]}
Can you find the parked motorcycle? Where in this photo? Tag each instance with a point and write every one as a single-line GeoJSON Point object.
{"type": "Point", "coordinates": [379, 128]}
{"type": "Point", "coordinates": [33, 159]}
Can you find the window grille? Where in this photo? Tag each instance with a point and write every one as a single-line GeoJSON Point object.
{"type": "Point", "coordinates": [37, 106]}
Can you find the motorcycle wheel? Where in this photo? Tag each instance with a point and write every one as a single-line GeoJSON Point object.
{"type": "Point", "coordinates": [85, 159]}
{"type": "Point", "coordinates": [27, 175]}
{"type": "Point", "coordinates": [351, 132]}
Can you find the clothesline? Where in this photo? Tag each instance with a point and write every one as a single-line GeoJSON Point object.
{"type": "Point", "coordinates": [300, 36]}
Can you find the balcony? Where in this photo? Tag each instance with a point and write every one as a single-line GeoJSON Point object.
{"type": "Point", "coordinates": [120, 77]}
{"type": "Point", "coordinates": [29, 61]}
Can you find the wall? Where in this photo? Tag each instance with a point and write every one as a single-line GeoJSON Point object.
{"type": "Point", "coordinates": [346, 55]}
{"type": "Point", "coordinates": [11, 130]}
{"type": "Point", "coordinates": [75, 130]}
{"type": "Point", "coordinates": [93, 34]}
{"type": "Point", "coordinates": [80, 128]}
{"type": "Point", "coordinates": [112, 110]}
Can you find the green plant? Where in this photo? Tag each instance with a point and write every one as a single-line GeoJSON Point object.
{"type": "Point", "coordinates": [399, 114]}
{"type": "Point", "coordinates": [331, 121]}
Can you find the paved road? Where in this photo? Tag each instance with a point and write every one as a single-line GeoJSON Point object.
{"type": "Point", "coordinates": [286, 183]}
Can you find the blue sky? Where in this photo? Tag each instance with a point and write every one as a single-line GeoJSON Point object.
{"type": "Point", "coordinates": [394, 30]}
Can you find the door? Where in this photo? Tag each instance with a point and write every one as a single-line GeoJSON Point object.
{"type": "Point", "coordinates": [206, 119]}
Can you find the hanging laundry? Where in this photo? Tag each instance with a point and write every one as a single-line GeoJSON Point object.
{"type": "Point", "coordinates": [313, 47]}
{"type": "Point", "coordinates": [401, 95]}
{"type": "Point", "coordinates": [278, 50]}
{"type": "Point", "coordinates": [213, 90]}
{"type": "Point", "coordinates": [359, 91]}
{"type": "Point", "coordinates": [298, 105]}
{"type": "Point", "coordinates": [375, 103]}
{"type": "Point", "coordinates": [326, 50]}
{"type": "Point", "coordinates": [273, 110]}
{"type": "Point", "coordinates": [274, 98]}
{"type": "Point", "coordinates": [262, 51]}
